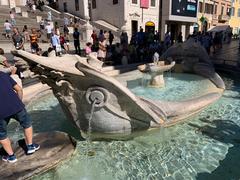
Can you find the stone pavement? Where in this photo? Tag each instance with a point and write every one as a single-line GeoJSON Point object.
{"type": "Point", "coordinates": [228, 57]}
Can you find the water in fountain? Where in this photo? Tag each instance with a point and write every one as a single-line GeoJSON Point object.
{"type": "Point", "coordinates": [145, 80]}
{"type": "Point", "coordinates": [204, 147]}
{"type": "Point", "coordinates": [89, 152]}
{"type": "Point", "coordinates": [90, 120]}
{"type": "Point", "coordinates": [15, 136]}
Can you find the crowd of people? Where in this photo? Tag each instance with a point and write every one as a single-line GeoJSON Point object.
{"type": "Point", "coordinates": [212, 41]}
{"type": "Point", "coordinates": [35, 4]}
{"type": "Point", "coordinates": [141, 46]}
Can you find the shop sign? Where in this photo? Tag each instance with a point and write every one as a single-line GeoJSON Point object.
{"type": "Point", "coordinates": [184, 8]}
{"type": "Point", "coordinates": [144, 4]}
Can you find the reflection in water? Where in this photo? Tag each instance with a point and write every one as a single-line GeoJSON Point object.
{"type": "Point", "coordinates": [205, 147]}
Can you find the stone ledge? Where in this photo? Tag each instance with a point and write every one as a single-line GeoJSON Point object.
{"type": "Point", "coordinates": [55, 148]}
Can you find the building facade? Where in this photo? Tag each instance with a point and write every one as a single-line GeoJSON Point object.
{"type": "Point", "coordinates": [75, 7]}
{"type": "Point", "coordinates": [178, 16]}
{"type": "Point", "coordinates": [235, 17]}
{"type": "Point", "coordinates": [213, 13]}
{"type": "Point", "coordinates": [13, 3]}
{"type": "Point", "coordinates": [205, 15]}
{"type": "Point", "coordinates": [129, 15]}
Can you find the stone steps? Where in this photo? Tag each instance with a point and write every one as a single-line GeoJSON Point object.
{"type": "Point", "coordinates": [30, 21]}
{"type": "Point", "coordinates": [119, 69]}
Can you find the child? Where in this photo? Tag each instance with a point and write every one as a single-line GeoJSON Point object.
{"type": "Point", "coordinates": [88, 48]}
{"type": "Point", "coordinates": [62, 41]}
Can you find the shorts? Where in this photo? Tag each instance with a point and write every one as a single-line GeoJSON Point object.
{"type": "Point", "coordinates": [8, 31]}
{"type": "Point", "coordinates": [22, 117]}
{"type": "Point", "coordinates": [34, 47]}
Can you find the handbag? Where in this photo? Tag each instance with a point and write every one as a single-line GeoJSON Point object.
{"type": "Point", "coordinates": [58, 48]}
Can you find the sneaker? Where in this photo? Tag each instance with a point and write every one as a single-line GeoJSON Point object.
{"type": "Point", "coordinates": [32, 148]}
{"type": "Point", "coordinates": [11, 159]}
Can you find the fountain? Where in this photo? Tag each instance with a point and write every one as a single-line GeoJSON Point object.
{"type": "Point", "coordinates": [77, 83]}
{"type": "Point", "coordinates": [156, 71]}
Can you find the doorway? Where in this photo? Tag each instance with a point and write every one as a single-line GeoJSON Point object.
{"type": "Point", "coordinates": [134, 27]}
{"type": "Point", "coordinates": [174, 32]}
{"type": "Point", "coordinates": [65, 7]}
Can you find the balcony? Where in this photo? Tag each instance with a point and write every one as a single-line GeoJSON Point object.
{"type": "Point", "coordinates": [223, 18]}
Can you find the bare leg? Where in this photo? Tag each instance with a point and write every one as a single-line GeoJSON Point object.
{"type": "Point", "coordinates": [28, 132]}
{"type": "Point", "coordinates": [7, 146]}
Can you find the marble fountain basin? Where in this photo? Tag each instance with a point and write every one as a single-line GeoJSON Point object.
{"type": "Point", "coordinates": [102, 107]}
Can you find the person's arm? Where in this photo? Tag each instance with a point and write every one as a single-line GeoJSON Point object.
{"type": "Point", "coordinates": [6, 70]}
{"type": "Point", "coordinates": [5, 62]}
{"type": "Point", "coordinates": [18, 90]}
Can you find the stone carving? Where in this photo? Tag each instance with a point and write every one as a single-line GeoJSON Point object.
{"type": "Point", "coordinates": [156, 71]}
{"type": "Point", "coordinates": [99, 103]}
{"type": "Point", "coordinates": [192, 57]}
{"type": "Point", "coordinates": [56, 147]}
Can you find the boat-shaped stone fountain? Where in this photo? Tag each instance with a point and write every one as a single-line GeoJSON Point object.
{"type": "Point", "coordinates": [98, 103]}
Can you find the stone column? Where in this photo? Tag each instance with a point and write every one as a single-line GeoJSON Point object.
{"type": "Point", "coordinates": [85, 7]}
{"type": "Point", "coordinates": [12, 4]}
{"type": "Point", "coordinates": [184, 33]}
{"type": "Point", "coordinates": [187, 32]}
{"type": "Point", "coordinates": [87, 30]}
{"type": "Point", "coordinates": [164, 28]}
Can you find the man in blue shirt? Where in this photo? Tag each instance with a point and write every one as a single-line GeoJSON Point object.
{"type": "Point", "coordinates": [11, 106]}
{"type": "Point", "coordinates": [76, 41]}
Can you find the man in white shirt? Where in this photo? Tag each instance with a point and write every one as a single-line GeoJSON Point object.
{"type": "Point", "coordinates": [49, 31]}
{"type": "Point", "coordinates": [8, 28]}
{"type": "Point", "coordinates": [66, 21]}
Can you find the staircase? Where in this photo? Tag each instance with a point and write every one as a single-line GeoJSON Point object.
{"type": "Point", "coordinates": [30, 21]}
{"type": "Point", "coordinates": [21, 21]}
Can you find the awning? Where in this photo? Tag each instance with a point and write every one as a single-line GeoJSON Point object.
{"type": "Point", "coordinates": [150, 23]}
{"type": "Point", "coordinates": [220, 28]}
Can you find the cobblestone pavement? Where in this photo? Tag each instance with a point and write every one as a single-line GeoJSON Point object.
{"type": "Point", "coordinates": [229, 55]}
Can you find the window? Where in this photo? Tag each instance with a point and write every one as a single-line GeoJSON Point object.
{"type": "Point", "coordinates": [153, 3]}
{"type": "Point", "coordinates": [233, 11]}
{"type": "Point", "coordinates": [134, 1]}
{"type": "Point", "coordinates": [215, 9]}
{"type": "Point", "coordinates": [94, 4]}
{"type": "Point", "coordinates": [222, 10]}
{"type": "Point", "coordinates": [228, 11]}
{"type": "Point", "coordinates": [208, 8]}
{"type": "Point", "coordinates": [65, 7]}
{"type": "Point", "coordinates": [115, 1]}
{"type": "Point", "coordinates": [200, 7]}
{"type": "Point", "coordinates": [77, 5]}
{"type": "Point", "coordinates": [238, 12]}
